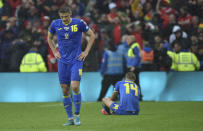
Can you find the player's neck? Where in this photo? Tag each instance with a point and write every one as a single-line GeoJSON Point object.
{"type": "Point", "coordinates": [67, 23]}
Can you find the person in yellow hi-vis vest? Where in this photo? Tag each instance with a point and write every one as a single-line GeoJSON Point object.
{"type": "Point", "coordinates": [186, 61]}
{"type": "Point", "coordinates": [173, 54]}
{"type": "Point", "coordinates": [32, 62]}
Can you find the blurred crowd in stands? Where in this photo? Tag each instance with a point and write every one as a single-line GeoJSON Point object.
{"type": "Point", "coordinates": [160, 35]}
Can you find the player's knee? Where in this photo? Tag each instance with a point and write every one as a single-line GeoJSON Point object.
{"type": "Point", "coordinates": [104, 100]}
{"type": "Point", "coordinates": [65, 89]}
{"type": "Point", "coordinates": [75, 89]}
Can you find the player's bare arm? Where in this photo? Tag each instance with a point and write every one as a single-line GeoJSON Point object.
{"type": "Point", "coordinates": [52, 45]}
{"type": "Point", "coordinates": [113, 97]}
{"type": "Point", "coordinates": [108, 101]}
{"type": "Point", "coordinates": [84, 54]}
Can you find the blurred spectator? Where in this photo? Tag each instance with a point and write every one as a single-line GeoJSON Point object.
{"type": "Point", "coordinates": [134, 59]}
{"type": "Point", "coordinates": [6, 9]}
{"type": "Point", "coordinates": [117, 32]}
{"type": "Point", "coordinates": [147, 57]}
{"type": "Point", "coordinates": [103, 41]}
{"type": "Point", "coordinates": [195, 7]}
{"type": "Point", "coordinates": [111, 69]}
{"type": "Point", "coordinates": [78, 8]}
{"type": "Point", "coordinates": [103, 23]}
{"type": "Point", "coordinates": [169, 27]}
{"type": "Point", "coordinates": [135, 29]}
{"type": "Point", "coordinates": [51, 8]}
{"type": "Point", "coordinates": [179, 35]}
{"type": "Point", "coordinates": [163, 8]}
{"type": "Point", "coordinates": [161, 59]}
{"type": "Point", "coordinates": [27, 31]}
{"type": "Point", "coordinates": [193, 27]}
{"type": "Point", "coordinates": [33, 62]}
{"type": "Point", "coordinates": [7, 37]}
{"type": "Point", "coordinates": [113, 14]}
{"type": "Point", "coordinates": [14, 4]}
{"type": "Point", "coordinates": [194, 48]}
{"type": "Point", "coordinates": [17, 50]}
{"type": "Point", "coordinates": [186, 61]}
{"type": "Point", "coordinates": [184, 19]}
{"type": "Point", "coordinates": [136, 10]}
{"type": "Point", "coordinates": [11, 25]}
{"type": "Point", "coordinates": [22, 13]}
{"type": "Point", "coordinates": [102, 6]}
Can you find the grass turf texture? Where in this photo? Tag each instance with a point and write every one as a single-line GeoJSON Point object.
{"type": "Point", "coordinates": [154, 116]}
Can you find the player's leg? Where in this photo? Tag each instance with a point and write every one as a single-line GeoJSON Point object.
{"type": "Point", "coordinates": [76, 96]}
{"type": "Point", "coordinates": [106, 105]}
{"type": "Point", "coordinates": [107, 102]}
{"type": "Point", "coordinates": [75, 83]}
{"type": "Point", "coordinates": [67, 102]}
{"type": "Point", "coordinates": [64, 79]}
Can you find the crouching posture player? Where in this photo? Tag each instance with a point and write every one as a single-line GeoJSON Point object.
{"type": "Point", "coordinates": [129, 97]}
{"type": "Point", "coordinates": [70, 57]}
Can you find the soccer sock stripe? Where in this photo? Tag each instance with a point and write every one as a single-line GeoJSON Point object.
{"type": "Point", "coordinates": [67, 101]}
{"type": "Point", "coordinates": [66, 96]}
{"type": "Point", "coordinates": [77, 102]}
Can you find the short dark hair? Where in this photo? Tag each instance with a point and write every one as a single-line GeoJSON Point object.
{"type": "Point", "coordinates": [131, 76]}
{"type": "Point", "coordinates": [65, 9]}
{"type": "Point", "coordinates": [178, 42]}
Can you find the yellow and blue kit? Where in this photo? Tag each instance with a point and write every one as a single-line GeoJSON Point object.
{"type": "Point", "coordinates": [129, 98]}
{"type": "Point", "coordinates": [69, 41]}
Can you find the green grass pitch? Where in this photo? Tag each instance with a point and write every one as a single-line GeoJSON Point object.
{"type": "Point", "coordinates": [154, 116]}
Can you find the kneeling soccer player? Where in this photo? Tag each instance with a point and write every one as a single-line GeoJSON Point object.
{"type": "Point", "coordinates": [129, 97]}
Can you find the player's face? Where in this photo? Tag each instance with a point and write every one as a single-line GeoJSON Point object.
{"type": "Point", "coordinates": [65, 17]}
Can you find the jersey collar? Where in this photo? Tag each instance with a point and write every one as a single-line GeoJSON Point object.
{"type": "Point", "coordinates": [68, 23]}
{"type": "Point", "coordinates": [129, 81]}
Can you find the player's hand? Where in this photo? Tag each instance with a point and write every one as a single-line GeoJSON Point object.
{"type": "Point", "coordinates": [82, 56]}
{"type": "Point", "coordinates": [57, 55]}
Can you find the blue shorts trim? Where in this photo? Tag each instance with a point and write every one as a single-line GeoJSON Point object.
{"type": "Point", "coordinates": [116, 110]}
{"type": "Point", "coordinates": [69, 72]}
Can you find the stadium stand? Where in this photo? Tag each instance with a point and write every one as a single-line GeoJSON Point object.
{"type": "Point", "coordinates": [24, 21]}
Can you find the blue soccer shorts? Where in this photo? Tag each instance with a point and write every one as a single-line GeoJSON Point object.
{"type": "Point", "coordinates": [69, 72]}
{"type": "Point", "coordinates": [117, 111]}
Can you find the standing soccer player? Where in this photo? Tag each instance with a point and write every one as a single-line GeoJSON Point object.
{"type": "Point", "coordinates": [129, 97]}
{"type": "Point", "coordinates": [70, 58]}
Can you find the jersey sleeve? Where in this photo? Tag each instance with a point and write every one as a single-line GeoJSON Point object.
{"type": "Point", "coordinates": [83, 26]}
{"type": "Point", "coordinates": [52, 29]}
{"type": "Point", "coordinates": [116, 89]}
